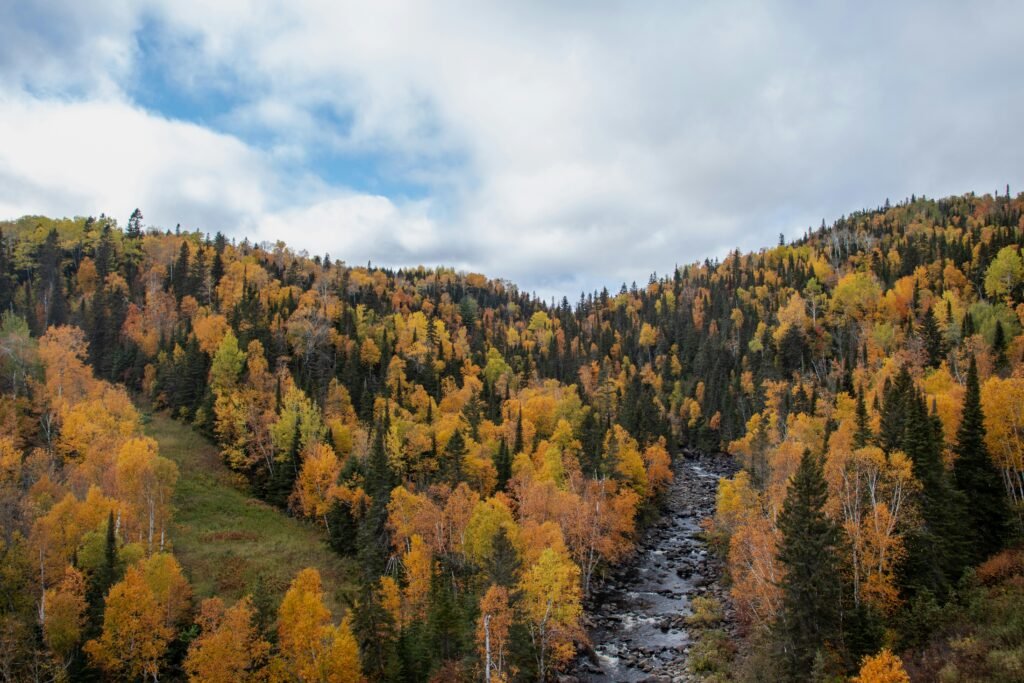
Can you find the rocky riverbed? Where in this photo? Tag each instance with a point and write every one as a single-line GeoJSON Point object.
{"type": "Point", "coordinates": [637, 617]}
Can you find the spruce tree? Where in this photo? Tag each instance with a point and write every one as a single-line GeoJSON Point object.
{"type": "Point", "coordinates": [932, 338]}
{"type": "Point", "coordinates": [517, 446]}
{"type": "Point", "coordinates": [967, 326]}
{"type": "Point", "coordinates": [50, 284]}
{"type": "Point", "coordinates": [285, 471]}
{"type": "Point", "coordinates": [999, 347]}
{"type": "Point", "coordinates": [374, 628]}
{"type": "Point", "coordinates": [503, 465]}
{"type": "Point", "coordinates": [987, 512]}
{"type": "Point", "coordinates": [105, 576]}
{"type": "Point", "coordinates": [134, 229]}
{"type": "Point", "coordinates": [810, 620]}
{"type": "Point", "coordinates": [863, 436]}
{"type": "Point", "coordinates": [454, 452]}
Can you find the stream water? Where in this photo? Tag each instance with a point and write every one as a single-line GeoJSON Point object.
{"type": "Point", "coordinates": [638, 615]}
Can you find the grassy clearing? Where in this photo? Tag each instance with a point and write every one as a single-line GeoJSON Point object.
{"type": "Point", "coordinates": [225, 539]}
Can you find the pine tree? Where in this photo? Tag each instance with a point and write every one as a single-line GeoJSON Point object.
{"type": "Point", "coordinates": [106, 575]}
{"type": "Point", "coordinates": [810, 618]}
{"type": "Point", "coordinates": [180, 274]}
{"type": "Point", "coordinates": [935, 548]}
{"type": "Point", "coordinates": [373, 545]}
{"type": "Point", "coordinates": [979, 480]}
{"type": "Point", "coordinates": [999, 347]}
{"type": "Point", "coordinates": [50, 283]}
{"type": "Point", "coordinates": [932, 338]}
{"type": "Point", "coordinates": [286, 470]}
{"type": "Point", "coordinates": [443, 617]}
{"type": "Point", "coordinates": [517, 446]}
{"type": "Point", "coordinates": [503, 564]}
{"type": "Point", "coordinates": [967, 326]}
{"type": "Point", "coordinates": [863, 436]}
{"type": "Point", "coordinates": [373, 626]}
{"type": "Point", "coordinates": [454, 452]}
{"type": "Point", "coordinates": [6, 281]}
{"type": "Point", "coordinates": [134, 230]}
{"type": "Point", "coordinates": [503, 465]}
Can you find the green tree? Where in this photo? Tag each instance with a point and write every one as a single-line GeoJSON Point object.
{"type": "Point", "coordinates": [999, 347]}
{"type": "Point", "coordinates": [134, 229]}
{"type": "Point", "coordinates": [932, 337]}
{"type": "Point", "coordinates": [810, 619]}
{"type": "Point", "coordinates": [503, 465]}
{"type": "Point", "coordinates": [227, 364]}
{"type": "Point", "coordinates": [863, 436]}
{"type": "Point", "coordinates": [1005, 273]}
{"type": "Point", "coordinates": [977, 477]}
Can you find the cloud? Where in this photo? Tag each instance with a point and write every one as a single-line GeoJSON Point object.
{"type": "Point", "coordinates": [88, 157]}
{"type": "Point", "coordinates": [564, 147]}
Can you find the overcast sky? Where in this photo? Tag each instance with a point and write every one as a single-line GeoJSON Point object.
{"type": "Point", "coordinates": [564, 146]}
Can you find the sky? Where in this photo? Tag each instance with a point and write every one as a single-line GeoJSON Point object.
{"type": "Point", "coordinates": [561, 146]}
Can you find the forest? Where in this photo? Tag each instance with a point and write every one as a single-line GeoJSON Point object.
{"type": "Point", "coordinates": [477, 460]}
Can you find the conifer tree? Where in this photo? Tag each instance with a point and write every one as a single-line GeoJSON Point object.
{"type": "Point", "coordinates": [810, 619]}
{"type": "Point", "coordinates": [106, 575]}
{"type": "Point", "coordinates": [517, 446]}
{"type": "Point", "coordinates": [999, 347]}
{"type": "Point", "coordinates": [979, 480]}
{"type": "Point", "coordinates": [134, 229]}
{"type": "Point", "coordinates": [863, 436]}
{"type": "Point", "coordinates": [934, 549]}
{"type": "Point", "coordinates": [50, 283]}
{"type": "Point", "coordinates": [932, 338]}
{"type": "Point", "coordinates": [503, 465]}
{"type": "Point", "coordinates": [454, 452]}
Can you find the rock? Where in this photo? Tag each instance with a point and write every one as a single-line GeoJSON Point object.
{"type": "Point", "coordinates": [636, 616]}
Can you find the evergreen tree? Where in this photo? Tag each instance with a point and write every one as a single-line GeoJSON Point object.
{"type": "Point", "coordinates": [932, 337]}
{"type": "Point", "coordinates": [999, 347]}
{"type": "Point", "coordinates": [105, 576]}
{"type": "Point", "coordinates": [810, 620]}
{"type": "Point", "coordinates": [6, 281]}
{"type": "Point", "coordinates": [517, 446]}
{"type": "Point", "coordinates": [50, 284]}
{"type": "Point", "coordinates": [373, 546]}
{"type": "Point", "coordinates": [503, 565]}
{"type": "Point", "coordinates": [134, 230]}
{"type": "Point", "coordinates": [792, 349]}
{"type": "Point", "coordinates": [978, 479]}
{"type": "Point", "coordinates": [443, 620]}
{"type": "Point", "coordinates": [343, 528]}
{"type": "Point", "coordinates": [286, 469]}
{"type": "Point", "coordinates": [454, 452]}
{"type": "Point", "coordinates": [503, 465]}
{"type": "Point", "coordinates": [863, 436]}
{"type": "Point", "coordinates": [180, 273]}
{"type": "Point", "coordinates": [591, 438]}
{"type": "Point", "coordinates": [967, 326]}
{"type": "Point", "coordinates": [934, 549]}
{"type": "Point", "coordinates": [373, 627]}
{"type": "Point", "coordinates": [264, 604]}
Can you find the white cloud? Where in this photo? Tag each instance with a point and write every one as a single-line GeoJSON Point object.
{"type": "Point", "coordinates": [562, 146]}
{"type": "Point", "coordinates": [88, 157]}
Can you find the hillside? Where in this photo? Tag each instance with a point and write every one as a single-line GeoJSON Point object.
{"type": "Point", "coordinates": [479, 459]}
{"type": "Point", "coordinates": [229, 542]}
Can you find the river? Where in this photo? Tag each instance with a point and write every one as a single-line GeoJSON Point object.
{"type": "Point", "coordinates": [638, 629]}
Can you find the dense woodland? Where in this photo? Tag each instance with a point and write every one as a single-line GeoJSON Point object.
{"type": "Point", "coordinates": [485, 456]}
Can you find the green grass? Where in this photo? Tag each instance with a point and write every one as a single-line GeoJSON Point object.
{"type": "Point", "coordinates": [224, 538]}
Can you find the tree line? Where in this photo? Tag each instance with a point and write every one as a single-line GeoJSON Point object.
{"type": "Point", "coordinates": [486, 455]}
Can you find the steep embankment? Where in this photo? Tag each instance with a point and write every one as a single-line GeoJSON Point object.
{"type": "Point", "coordinates": [641, 628]}
{"type": "Point", "coordinates": [224, 538]}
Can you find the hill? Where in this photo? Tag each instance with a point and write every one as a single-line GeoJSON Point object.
{"type": "Point", "coordinates": [478, 455]}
